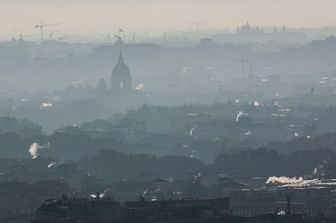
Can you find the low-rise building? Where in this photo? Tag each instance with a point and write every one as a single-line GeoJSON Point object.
{"type": "Point", "coordinates": [311, 201]}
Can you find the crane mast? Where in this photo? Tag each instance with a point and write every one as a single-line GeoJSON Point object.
{"type": "Point", "coordinates": [41, 26]}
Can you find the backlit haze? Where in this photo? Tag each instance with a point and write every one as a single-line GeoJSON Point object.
{"type": "Point", "coordinates": [154, 17]}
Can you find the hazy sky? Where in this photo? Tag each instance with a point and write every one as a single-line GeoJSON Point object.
{"type": "Point", "coordinates": [102, 16]}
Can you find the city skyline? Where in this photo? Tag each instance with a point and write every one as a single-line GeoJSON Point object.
{"type": "Point", "coordinates": [155, 17]}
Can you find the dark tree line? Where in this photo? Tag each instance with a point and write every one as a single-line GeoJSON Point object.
{"type": "Point", "coordinates": [266, 162]}
{"type": "Point", "coordinates": [111, 164]}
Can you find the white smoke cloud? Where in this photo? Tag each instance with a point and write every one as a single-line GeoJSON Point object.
{"type": "Point", "coordinates": [240, 113]}
{"type": "Point", "coordinates": [283, 180]}
{"type": "Point", "coordinates": [140, 87]}
{"type": "Point", "coordinates": [94, 196]}
{"type": "Point", "coordinates": [77, 83]}
{"type": "Point", "coordinates": [256, 104]}
{"type": "Point", "coordinates": [248, 133]}
{"type": "Point", "coordinates": [45, 105]}
{"type": "Point", "coordinates": [24, 99]}
{"type": "Point", "coordinates": [319, 170]}
{"type": "Point", "coordinates": [315, 171]}
{"type": "Point", "coordinates": [52, 164]}
{"type": "Point", "coordinates": [292, 182]}
{"type": "Point", "coordinates": [186, 69]}
{"type": "Point", "coordinates": [192, 130]}
{"type": "Point", "coordinates": [34, 149]}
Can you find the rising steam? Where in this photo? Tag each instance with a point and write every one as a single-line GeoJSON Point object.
{"type": "Point", "coordinates": [34, 149]}
{"type": "Point", "coordinates": [292, 182]}
{"type": "Point", "coordinates": [240, 113]}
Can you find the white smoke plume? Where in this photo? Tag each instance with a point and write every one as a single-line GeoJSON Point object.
{"type": "Point", "coordinates": [95, 196]}
{"type": "Point", "coordinates": [192, 130]}
{"type": "Point", "coordinates": [319, 170]}
{"type": "Point", "coordinates": [240, 113]}
{"type": "Point", "coordinates": [283, 180]}
{"type": "Point", "coordinates": [248, 133]}
{"type": "Point", "coordinates": [52, 164]}
{"type": "Point", "coordinates": [45, 105]}
{"type": "Point", "coordinates": [140, 87]}
{"type": "Point", "coordinates": [315, 171]}
{"type": "Point", "coordinates": [292, 182]}
{"type": "Point", "coordinates": [77, 83]}
{"type": "Point", "coordinates": [256, 104]}
{"type": "Point", "coordinates": [34, 149]}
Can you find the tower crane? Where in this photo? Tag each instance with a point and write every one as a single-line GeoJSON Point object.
{"type": "Point", "coordinates": [41, 26]}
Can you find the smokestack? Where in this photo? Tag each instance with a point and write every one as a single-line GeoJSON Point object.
{"type": "Point", "coordinates": [289, 205]}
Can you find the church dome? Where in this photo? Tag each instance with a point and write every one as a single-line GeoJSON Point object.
{"type": "Point", "coordinates": [121, 69]}
{"type": "Point", "coordinates": [121, 76]}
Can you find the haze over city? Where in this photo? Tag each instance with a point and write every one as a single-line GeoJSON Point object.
{"type": "Point", "coordinates": [180, 111]}
{"type": "Point", "coordinates": [89, 18]}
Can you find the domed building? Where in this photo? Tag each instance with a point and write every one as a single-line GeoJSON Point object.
{"type": "Point", "coordinates": [121, 78]}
